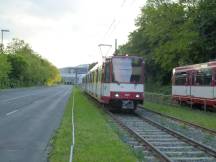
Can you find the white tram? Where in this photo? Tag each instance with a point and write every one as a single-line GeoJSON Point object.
{"type": "Point", "coordinates": [195, 84]}
{"type": "Point", "coordinates": [118, 81]}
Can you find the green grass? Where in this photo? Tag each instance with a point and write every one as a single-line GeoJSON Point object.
{"type": "Point", "coordinates": [95, 139]}
{"type": "Point", "coordinates": [61, 142]}
{"type": "Point", "coordinates": [205, 119]}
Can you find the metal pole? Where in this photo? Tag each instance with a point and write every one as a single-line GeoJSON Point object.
{"type": "Point", "coordinates": [2, 40]}
{"type": "Point", "coordinates": [205, 105]}
{"type": "Point", "coordinates": [76, 76]}
{"type": "Point", "coordinates": [2, 37]}
{"type": "Point", "coordinates": [115, 46]}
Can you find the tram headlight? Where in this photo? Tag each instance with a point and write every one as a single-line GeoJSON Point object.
{"type": "Point", "coordinates": [137, 96]}
{"type": "Point", "coordinates": [117, 95]}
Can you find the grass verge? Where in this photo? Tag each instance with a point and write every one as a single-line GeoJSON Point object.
{"type": "Point", "coordinates": [60, 143]}
{"type": "Point", "coordinates": [95, 139]}
{"type": "Point", "coordinates": [205, 119]}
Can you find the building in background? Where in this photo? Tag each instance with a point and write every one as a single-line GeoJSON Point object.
{"type": "Point", "coordinates": [74, 75]}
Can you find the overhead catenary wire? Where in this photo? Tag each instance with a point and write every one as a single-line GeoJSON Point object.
{"type": "Point", "coordinates": [119, 21]}
{"type": "Point", "coordinates": [109, 28]}
{"type": "Point", "coordinates": [116, 21]}
{"type": "Point", "coordinates": [123, 3]}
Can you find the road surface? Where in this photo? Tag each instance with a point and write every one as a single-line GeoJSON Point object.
{"type": "Point", "coordinates": [28, 119]}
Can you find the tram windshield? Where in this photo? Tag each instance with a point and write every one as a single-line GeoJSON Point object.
{"type": "Point", "coordinates": [127, 70]}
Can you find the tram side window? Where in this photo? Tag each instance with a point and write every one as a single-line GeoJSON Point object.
{"type": "Point", "coordinates": [181, 78]}
{"type": "Point", "coordinates": [97, 76]}
{"type": "Point", "coordinates": [93, 77]}
{"type": "Point", "coordinates": [107, 72]}
{"type": "Point", "coordinates": [204, 77]}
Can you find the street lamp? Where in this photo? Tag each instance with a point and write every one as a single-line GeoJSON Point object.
{"type": "Point", "coordinates": [2, 37]}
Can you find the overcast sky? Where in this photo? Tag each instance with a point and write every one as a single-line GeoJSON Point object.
{"type": "Point", "coordinates": [67, 32]}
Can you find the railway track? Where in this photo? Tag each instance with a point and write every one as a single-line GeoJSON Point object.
{"type": "Point", "coordinates": [210, 131]}
{"type": "Point", "coordinates": [164, 143]}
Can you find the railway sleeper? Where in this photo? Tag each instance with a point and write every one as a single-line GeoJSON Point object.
{"type": "Point", "coordinates": [193, 159]}
{"type": "Point", "coordinates": [186, 154]}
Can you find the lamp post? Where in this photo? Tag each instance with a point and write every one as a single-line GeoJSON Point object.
{"type": "Point", "coordinates": [2, 37]}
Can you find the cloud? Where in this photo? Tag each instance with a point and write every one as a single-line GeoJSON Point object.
{"type": "Point", "coordinates": [45, 8]}
{"type": "Point", "coordinates": [68, 32]}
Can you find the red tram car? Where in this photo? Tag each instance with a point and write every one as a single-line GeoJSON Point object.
{"type": "Point", "coordinates": [118, 81]}
{"type": "Point", "coordinates": [195, 84]}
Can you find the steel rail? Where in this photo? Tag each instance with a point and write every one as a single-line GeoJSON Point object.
{"type": "Point", "coordinates": [180, 136]}
{"type": "Point", "coordinates": [211, 131]}
{"type": "Point", "coordinates": [156, 152]}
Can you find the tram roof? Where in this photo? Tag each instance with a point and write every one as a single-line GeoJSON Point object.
{"type": "Point", "coordinates": [210, 64]}
{"type": "Point", "coordinates": [99, 64]}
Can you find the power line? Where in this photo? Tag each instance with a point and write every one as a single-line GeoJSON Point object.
{"type": "Point", "coordinates": [114, 20]}
{"type": "Point", "coordinates": [2, 37]}
{"type": "Point", "coordinates": [123, 3]}
{"type": "Point", "coordinates": [133, 2]}
{"type": "Point", "coordinates": [114, 26]}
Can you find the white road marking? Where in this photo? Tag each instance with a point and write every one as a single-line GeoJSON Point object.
{"type": "Point", "coordinates": [11, 99]}
{"type": "Point", "coordinates": [11, 112]}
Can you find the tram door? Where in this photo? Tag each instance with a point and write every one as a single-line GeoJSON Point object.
{"type": "Point", "coordinates": [181, 87]}
{"type": "Point", "coordinates": [105, 90]}
{"type": "Point", "coordinates": [188, 84]}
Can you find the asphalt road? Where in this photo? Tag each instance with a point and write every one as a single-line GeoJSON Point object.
{"type": "Point", "coordinates": [28, 119]}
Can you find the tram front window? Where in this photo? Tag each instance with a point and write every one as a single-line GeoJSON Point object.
{"type": "Point", "coordinates": [127, 70]}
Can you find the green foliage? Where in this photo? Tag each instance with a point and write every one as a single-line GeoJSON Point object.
{"type": "Point", "coordinates": [206, 22]}
{"type": "Point", "coordinates": [95, 140]}
{"type": "Point", "coordinates": [173, 33]}
{"type": "Point", "coordinates": [21, 66]}
{"type": "Point", "coordinates": [5, 68]}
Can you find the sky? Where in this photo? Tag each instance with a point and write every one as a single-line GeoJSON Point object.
{"type": "Point", "coordinates": [68, 32]}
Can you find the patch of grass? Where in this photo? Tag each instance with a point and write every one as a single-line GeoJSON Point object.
{"type": "Point", "coordinates": [205, 119]}
{"type": "Point", "coordinates": [95, 139]}
{"type": "Point", "coordinates": [61, 142]}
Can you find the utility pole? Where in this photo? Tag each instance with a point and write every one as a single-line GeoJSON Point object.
{"type": "Point", "coordinates": [115, 54]}
{"type": "Point", "coordinates": [2, 38]}
{"type": "Point", "coordinates": [76, 77]}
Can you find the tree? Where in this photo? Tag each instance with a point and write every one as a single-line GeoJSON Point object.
{"type": "Point", "coordinates": [206, 22]}
{"type": "Point", "coordinates": [21, 66]}
{"type": "Point", "coordinates": [5, 69]}
{"type": "Point", "coordinates": [171, 33]}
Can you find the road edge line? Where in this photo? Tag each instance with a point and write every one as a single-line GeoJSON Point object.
{"type": "Point", "coordinates": [73, 132]}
